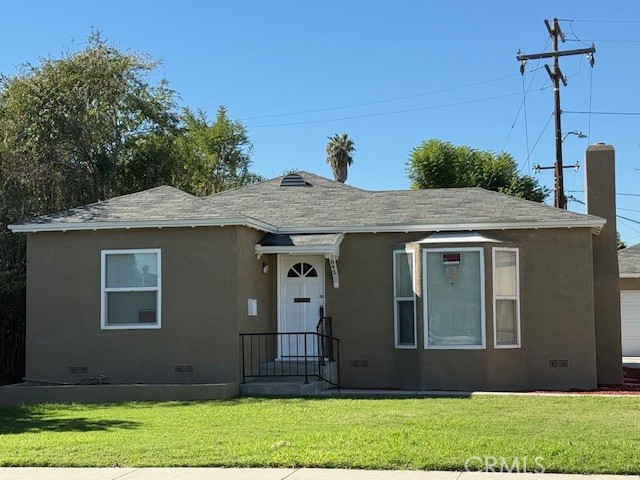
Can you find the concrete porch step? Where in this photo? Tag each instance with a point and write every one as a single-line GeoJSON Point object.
{"type": "Point", "coordinates": [288, 367]}
{"type": "Point", "coordinates": [283, 386]}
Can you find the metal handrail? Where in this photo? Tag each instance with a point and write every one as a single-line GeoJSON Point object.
{"type": "Point", "coordinates": [262, 356]}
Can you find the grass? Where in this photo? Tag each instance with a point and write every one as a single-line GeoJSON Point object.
{"type": "Point", "coordinates": [571, 434]}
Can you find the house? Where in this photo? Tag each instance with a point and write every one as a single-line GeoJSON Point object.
{"type": "Point", "coordinates": [452, 289]}
{"type": "Point", "coordinates": [629, 264]}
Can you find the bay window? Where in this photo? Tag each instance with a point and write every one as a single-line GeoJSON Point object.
{"type": "Point", "coordinates": [404, 300]}
{"type": "Point", "coordinates": [454, 311]}
{"type": "Point", "coordinates": [506, 298]}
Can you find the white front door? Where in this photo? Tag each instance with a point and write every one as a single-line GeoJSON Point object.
{"type": "Point", "coordinates": [630, 309]}
{"type": "Point", "coordinates": [301, 296]}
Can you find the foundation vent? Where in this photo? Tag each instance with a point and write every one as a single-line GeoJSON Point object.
{"type": "Point", "coordinates": [559, 363]}
{"type": "Point", "coordinates": [360, 363]}
{"type": "Point", "coordinates": [183, 368]}
{"type": "Point", "coordinates": [78, 370]}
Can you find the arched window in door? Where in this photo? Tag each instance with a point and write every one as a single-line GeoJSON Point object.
{"type": "Point", "coordinates": [302, 269]}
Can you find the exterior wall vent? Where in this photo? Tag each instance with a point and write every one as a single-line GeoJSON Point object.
{"type": "Point", "coordinates": [293, 180]}
{"type": "Point", "coordinates": [184, 368]}
{"type": "Point", "coordinates": [360, 363]}
{"type": "Point", "coordinates": [560, 363]}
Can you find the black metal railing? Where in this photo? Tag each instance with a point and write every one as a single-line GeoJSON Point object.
{"type": "Point", "coordinates": [295, 354]}
{"type": "Point", "coordinates": [324, 330]}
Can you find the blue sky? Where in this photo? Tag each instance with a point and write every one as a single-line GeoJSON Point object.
{"type": "Point", "coordinates": [390, 74]}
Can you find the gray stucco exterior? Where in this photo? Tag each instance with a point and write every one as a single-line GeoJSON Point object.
{"type": "Point", "coordinates": [215, 258]}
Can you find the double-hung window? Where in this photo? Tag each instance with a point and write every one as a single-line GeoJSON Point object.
{"type": "Point", "coordinates": [454, 311]}
{"type": "Point", "coordinates": [506, 298]}
{"type": "Point", "coordinates": [404, 300]}
{"type": "Point", "coordinates": [131, 287]}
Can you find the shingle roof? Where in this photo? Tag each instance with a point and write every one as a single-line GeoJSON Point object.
{"type": "Point", "coordinates": [161, 203]}
{"type": "Point", "coordinates": [333, 205]}
{"type": "Point", "coordinates": [629, 260]}
{"type": "Point", "coordinates": [322, 206]}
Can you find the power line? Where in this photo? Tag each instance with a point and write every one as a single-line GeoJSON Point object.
{"type": "Point", "coordinates": [628, 219]}
{"type": "Point", "coordinates": [597, 21]}
{"type": "Point", "coordinates": [351, 117]}
{"type": "Point", "coordinates": [374, 102]}
{"type": "Point", "coordinates": [601, 41]}
{"type": "Point", "coordinates": [524, 96]}
{"type": "Point", "coordinates": [633, 114]}
{"type": "Point", "coordinates": [623, 194]}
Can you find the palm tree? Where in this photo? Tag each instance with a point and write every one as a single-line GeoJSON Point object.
{"type": "Point", "coordinates": [339, 151]}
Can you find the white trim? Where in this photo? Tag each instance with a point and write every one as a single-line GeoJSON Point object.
{"type": "Point", "coordinates": [630, 275]}
{"type": "Point", "coordinates": [73, 226]}
{"type": "Point", "coordinates": [506, 297]}
{"type": "Point", "coordinates": [425, 297]}
{"type": "Point", "coordinates": [456, 237]}
{"type": "Point", "coordinates": [595, 225]}
{"type": "Point", "coordinates": [104, 290]}
{"type": "Point", "coordinates": [397, 299]}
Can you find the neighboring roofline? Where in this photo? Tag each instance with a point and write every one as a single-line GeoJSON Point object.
{"type": "Point", "coordinates": [75, 226]}
{"type": "Point", "coordinates": [630, 275]}
{"type": "Point", "coordinates": [595, 224]}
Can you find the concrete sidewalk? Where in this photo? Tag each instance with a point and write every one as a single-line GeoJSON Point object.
{"type": "Point", "coordinates": [274, 474]}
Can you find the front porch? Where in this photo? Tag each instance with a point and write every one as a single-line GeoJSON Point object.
{"type": "Point", "coordinates": [291, 363]}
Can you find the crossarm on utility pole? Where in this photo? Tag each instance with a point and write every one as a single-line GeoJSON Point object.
{"type": "Point", "coordinates": [563, 53]}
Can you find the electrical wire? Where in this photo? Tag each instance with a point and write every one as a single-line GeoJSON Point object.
{"type": "Point", "coordinates": [534, 71]}
{"type": "Point", "coordinates": [374, 102]}
{"type": "Point", "coordinates": [633, 114]}
{"type": "Point", "coordinates": [602, 41]}
{"type": "Point", "coordinates": [351, 117]}
{"type": "Point", "coordinates": [526, 125]}
{"type": "Point", "coordinates": [598, 21]}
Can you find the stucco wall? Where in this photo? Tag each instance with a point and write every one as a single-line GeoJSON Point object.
{"type": "Point", "coordinates": [556, 310]}
{"type": "Point", "coordinates": [199, 308]}
{"type": "Point", "coordinates": [255, 284]}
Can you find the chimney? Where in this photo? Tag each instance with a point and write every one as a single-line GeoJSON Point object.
{"type": "Point", "coordinates": [600, 193]}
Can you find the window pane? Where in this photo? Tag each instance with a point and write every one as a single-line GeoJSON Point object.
{"type": "Point", "coordinates": [404, 275]}
{"type": "Point", "coordinates": [506, 327]}
{"type": "Point", "coordinates": [131, 308]}
{"type": "Point", "coordinates": [406, 333]}
{"type": "Point", "coordinates": [132, 270]}
{"type": "Point", "coordinates": [454, 300]}
{"type": "Point", "coordinates": [505, 277]}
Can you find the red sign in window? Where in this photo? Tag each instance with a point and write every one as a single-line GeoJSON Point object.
{"type": "Point", "coordinates": [451, 259]}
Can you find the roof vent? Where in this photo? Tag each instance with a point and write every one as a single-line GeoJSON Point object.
{"type": "Point", "coordinates": [293, 180]}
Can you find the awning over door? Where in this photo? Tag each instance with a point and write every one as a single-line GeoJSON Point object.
{"type": "Point", "coordinates": [326, 244]}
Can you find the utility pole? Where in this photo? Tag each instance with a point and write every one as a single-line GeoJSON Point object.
{"type": "Point", "coordinates": [556, 77]}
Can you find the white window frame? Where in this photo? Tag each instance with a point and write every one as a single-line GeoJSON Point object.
{"type": "Point", "coordinates": [425, 297]}
{"type": "Point", "coordinates": [506, 297]}
{"type": "Point", "coordinates": [396, 299]}
{"type": "Point", "coordinates": [104, 290]}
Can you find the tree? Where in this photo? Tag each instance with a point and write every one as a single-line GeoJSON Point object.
{"type": "Point", "coordinates": [620, 243]}
{"type": "Point", "coordinates": [216, 156]}
{"type": "Point", "coordinates": [67, 124]}
{"type": "Point", "coordinates": [339, 151]}
{"type": "Point", "coordinates": [439, 164]}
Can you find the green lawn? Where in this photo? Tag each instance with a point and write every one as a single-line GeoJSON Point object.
{"type": "Point", "coordinates": [572, 434]}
